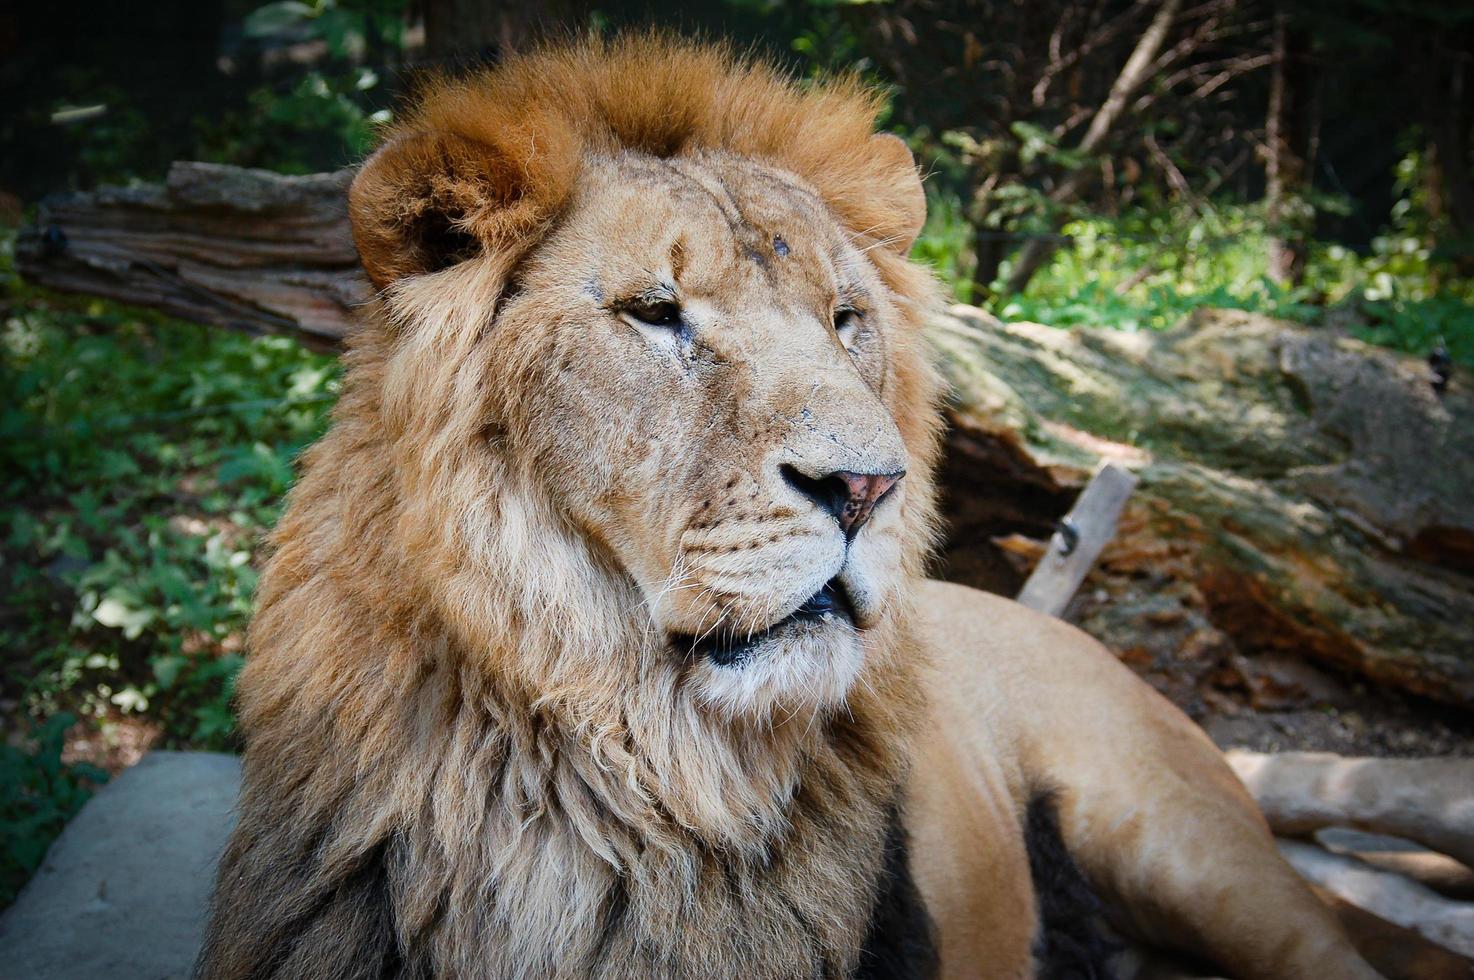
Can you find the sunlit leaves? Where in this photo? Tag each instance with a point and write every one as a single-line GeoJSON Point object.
{"type": "Point", "coordinates": [146, 459]}
{"type": "Point", "coordinates": [1151, 266]}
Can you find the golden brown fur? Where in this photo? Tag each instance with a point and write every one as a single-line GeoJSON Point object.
{"type": "Point", "coordinates": [532, 124]}
{"type": "Point", "coordinates": [481, 740]}
{"type": "Point", "coordinates": [457, 713]}
{"type": "Point", "coordinates": [1168, 838]}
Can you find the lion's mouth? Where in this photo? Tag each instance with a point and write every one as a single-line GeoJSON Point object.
{"type": "Point", "coordinates": [727, 649]}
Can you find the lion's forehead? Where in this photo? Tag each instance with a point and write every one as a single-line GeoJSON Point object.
{"type": "Point", "coordinates": [721, 225]}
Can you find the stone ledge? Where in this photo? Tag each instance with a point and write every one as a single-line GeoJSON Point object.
{"type": "Point", "coordinates": [122, 893]}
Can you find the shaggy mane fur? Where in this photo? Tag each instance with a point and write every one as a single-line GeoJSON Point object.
{"type": "Point", "coordinates": [465, 754]}
{"type": "Point", "coordinates": [536, 118]}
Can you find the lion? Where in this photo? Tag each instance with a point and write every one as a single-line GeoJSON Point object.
{"type": "Point", "coordinates": [596, 639]}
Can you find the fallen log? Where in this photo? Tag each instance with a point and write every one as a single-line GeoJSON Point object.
{"type": "Point", "coordinates": [1397, 952]}
{"type": "Point", "coordinates": [246, 249]}
{"type": "Point", "coordinates": [1439, 872]}
{"type": "Point", "coordinates": [1373, 874]}
{"type": "Point", "coordinates": [1300, 495]}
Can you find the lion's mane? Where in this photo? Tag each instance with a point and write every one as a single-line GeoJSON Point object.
{"type": "Point", "coordinates": [464, 755]}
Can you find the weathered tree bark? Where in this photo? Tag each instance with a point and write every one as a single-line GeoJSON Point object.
{"type": "Point", "coordinates": [1395, 951]}
{"type": "Point", "coordinates": [1386, 895]}
{"type": "Point", "coordinates": [247, 249]}
{"type": "Point", "coordinates": [1423, 800]}
{"type": "Point", "coordinates": [1301, 495]}
{"type": "Point", "coordinates": [1439, 872]}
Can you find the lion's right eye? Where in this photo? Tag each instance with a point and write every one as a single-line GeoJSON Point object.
{"type": "Point", "coordinates": [657, 313]}
{"type": "Point", "coordinates": [847, 325]}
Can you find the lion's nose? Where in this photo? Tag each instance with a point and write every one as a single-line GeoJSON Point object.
{"type": "Point", "coordinates": [849, 496]}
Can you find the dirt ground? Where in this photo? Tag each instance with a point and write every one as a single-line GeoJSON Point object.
{"type": "Point", "coordinates": [1267, 700]}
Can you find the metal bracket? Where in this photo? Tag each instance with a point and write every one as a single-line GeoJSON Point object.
{"type": "Point", "coordinates": [1069, 536]}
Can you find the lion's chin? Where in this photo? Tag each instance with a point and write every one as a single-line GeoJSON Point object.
{"type": "Point", "coordinates": [804, 665]}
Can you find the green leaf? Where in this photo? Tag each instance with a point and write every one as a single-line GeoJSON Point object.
{"type": "Point", "coordinates": [114, 612]}
{"type": "Point", "coordinates": [276, 17]}
{"type": "Point", "coordinates": [167, 668]}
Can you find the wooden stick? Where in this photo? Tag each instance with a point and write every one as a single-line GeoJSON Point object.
{"type": "Point", "coordinates": [1429, 800]}
{"type": "Point", "coordinates": [1390, 896]}
{"type": "Point", "coordinates": [1083, 533]}
{"type": "Point", "coordinates": [1443, 874]}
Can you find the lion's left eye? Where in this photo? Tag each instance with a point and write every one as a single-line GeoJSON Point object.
{"type": "Point", "coordinates": [847, 325]}
{"type": "Point", "coordinates": [656, 313]}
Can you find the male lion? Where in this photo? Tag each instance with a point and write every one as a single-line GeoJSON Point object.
{"type": "Point", "coordinates": [595, 642]}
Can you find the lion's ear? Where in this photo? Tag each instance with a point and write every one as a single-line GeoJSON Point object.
{"type": "Point", "coordinates": [898, 190]}
{"type": "Point", "coordinates": [425, 201]}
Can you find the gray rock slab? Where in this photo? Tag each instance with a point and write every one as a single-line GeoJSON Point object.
{"type": "Point", "coordinates": [122, 893]}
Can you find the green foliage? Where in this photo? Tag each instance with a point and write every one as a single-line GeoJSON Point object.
{"type": "Point", "coordinates": [143, 461]}
{"type": "Point", "coordinates": [118, 141]}
{"type": "Point", "coordinates": [348, 28]}
{"type": "Point", "coordinates": [116, 138]}
{"type": "Point", "coordinates": [1148, 268]}
{"type": "Point", "coordinates": [326, 118]}
{"type": "Point", "coordinates": [322, 121]}
{"type": "Point", "coordinates": [38, 795]}
{"type": "Point", "coordinates": [944, 243]}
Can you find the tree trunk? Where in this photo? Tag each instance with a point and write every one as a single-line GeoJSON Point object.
{"type": "Point", "coordinates": [467, 32]}
{"type": "Point", "coordinates": [1290, 143]}
{"type": "Point", "coordinates": [990, 245]}
{"type": "Point", "coordinates": [1135, 72]}
{"type": "Point", "coordinates": [989, 249]}
{"type": "Point", "coordinates": [1449, 125]}
{"type": "Point", "coordinates": [1300, 495]}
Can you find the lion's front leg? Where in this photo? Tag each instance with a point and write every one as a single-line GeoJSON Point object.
{"type": "Point", "coordinates": [1184, 861]}
{"type": "Point", "coordinates": [1146, 805]}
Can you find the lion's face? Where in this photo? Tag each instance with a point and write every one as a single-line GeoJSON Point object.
{"type": "Point", "coordinates": [661, 426]}
{"type": "Point", "coordinates": [704, 358]}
